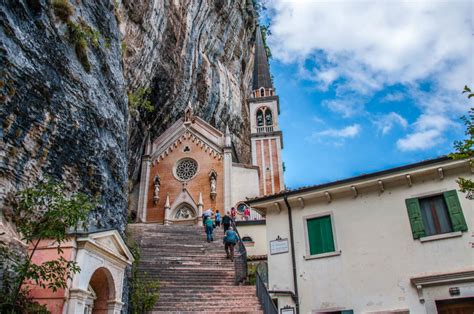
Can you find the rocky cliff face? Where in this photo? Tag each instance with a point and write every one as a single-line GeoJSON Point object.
{"type": "Point", "coordinates": [196, 51]}
{"type": "Point", "coordinates": [60, 120]}
{"type": "Point", "coordinates": [57, 119]}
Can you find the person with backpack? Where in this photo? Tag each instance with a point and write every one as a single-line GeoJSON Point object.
{"type": "Point", "coordinates": [226, 220]}
{"type": "Point", "coordinates": [218, 218]}
{"type": "Point", "coordinates": [206, 215]}
{"type": "Point", "coordinates": [230, 240]}
{"type": "Point", "coordinates": [209, 229]}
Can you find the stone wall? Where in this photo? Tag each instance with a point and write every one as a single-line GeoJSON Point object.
{"type": "Point", "coordinates": [61, 121]}
{"type": "Point", "coordinates": [57, 119]}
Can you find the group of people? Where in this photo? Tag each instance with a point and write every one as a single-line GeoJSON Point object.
{"type": "Point", "coordinates": [230, 236]}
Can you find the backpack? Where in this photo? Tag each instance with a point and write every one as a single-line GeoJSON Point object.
{"type": "Point", "coordinates": [231, 237]}
{"type": "Point", "coordinates": [209, 222]}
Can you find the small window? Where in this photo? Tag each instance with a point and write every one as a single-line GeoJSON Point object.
{"type": "Point", "coordinates": [436, 214]}
{"type": "Point", "coordinates": [268, 117]}
{"type": "Point", "coordinates": [260, 117]}
{"type": "Point", "coordinates": [320, 235]}
{"type": "Point", "coordinates": [186, 149]}
{"type": "Point", "coordinates": [262, 92]}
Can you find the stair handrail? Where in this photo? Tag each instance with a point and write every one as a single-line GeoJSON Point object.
{"type": "Point", "coordinates": [240, 260]}
{"type": "Point", "coordinates": [264, 297]}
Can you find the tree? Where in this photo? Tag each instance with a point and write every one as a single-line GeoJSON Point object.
{"type": "Point", "coordinates": [45, 211]}
{"type": "Point", "coordinates": [144, 292]}
{"type": "Point", "coordinates": [464, 149]}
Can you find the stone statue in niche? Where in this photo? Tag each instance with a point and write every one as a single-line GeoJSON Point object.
{"type": "Point", "coordinates": [156, 189]}
{"type": "Point", "coordinates": [188, 114]}
{"type": "Point", "coordinates": [184, 213]}
{"type": "Point", "coordinates": [213, 182]}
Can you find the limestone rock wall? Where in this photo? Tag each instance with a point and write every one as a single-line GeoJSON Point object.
{"type": "Point", "coordinates": [196, 51]}
{"type": "Point", "coordinates": [59, 120]}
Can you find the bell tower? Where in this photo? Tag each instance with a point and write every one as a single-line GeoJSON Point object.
{"type": "Point", "coordinates": [266, 136]}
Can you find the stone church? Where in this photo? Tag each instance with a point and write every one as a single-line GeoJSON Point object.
{"type": "Point", "coordinates": [189, 168]}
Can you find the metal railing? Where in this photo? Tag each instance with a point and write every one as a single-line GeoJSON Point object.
{"type": "Point", "coordinates": [240, 259]}
{"type": "Point", "coordinates": [264, 297]}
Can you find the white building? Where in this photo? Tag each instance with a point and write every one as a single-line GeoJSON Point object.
{"type": "Point", "coordinates": [395, 241]}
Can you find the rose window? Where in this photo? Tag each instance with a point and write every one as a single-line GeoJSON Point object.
{"type": "Point", "coordinates": [186, 169]}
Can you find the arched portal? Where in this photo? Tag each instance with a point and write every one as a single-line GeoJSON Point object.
{"type": "Point", "coordinates": [103, 290]}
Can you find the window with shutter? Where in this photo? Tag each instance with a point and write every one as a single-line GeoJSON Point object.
{"type": "Point", "coordinates": [435, 214]}
{"type": "Point", "coordinates": [320, 235]}
{"type": "Point", "coordinates": [414, 214]}
{"type": "Point", "coordinates": [455, 211]}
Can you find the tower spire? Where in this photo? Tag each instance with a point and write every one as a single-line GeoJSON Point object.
{"type": "Point", "coordinates": [261, 71]}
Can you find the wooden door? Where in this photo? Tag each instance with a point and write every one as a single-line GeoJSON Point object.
{"type": "Point", "coordinates": [458, 306]}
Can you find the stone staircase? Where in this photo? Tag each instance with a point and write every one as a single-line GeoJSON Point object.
{"type": "Point", "coordinates": [195, 276]}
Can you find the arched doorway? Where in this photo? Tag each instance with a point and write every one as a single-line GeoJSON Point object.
{"type": "Point", "coordinates": [102, 288]}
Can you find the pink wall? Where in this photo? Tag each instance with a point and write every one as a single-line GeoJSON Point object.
{"type": "Point", "coordinates": [47, 251]}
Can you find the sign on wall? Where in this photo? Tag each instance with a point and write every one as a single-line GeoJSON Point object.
{"type": "Point", "coordinates": [279, 246]}
{"type": "Point", "coordinates": [287, 310]}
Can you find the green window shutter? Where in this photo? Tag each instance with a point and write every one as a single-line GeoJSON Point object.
{"type": "Point", "coordinates": [455, 211]}
{"type": "Point", "coordinates": [414, 214]}
{"type": "Point", "coordinates": [321, 239]}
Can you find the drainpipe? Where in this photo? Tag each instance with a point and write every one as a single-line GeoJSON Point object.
{"type": "Point", "coordinates": [293, 259]}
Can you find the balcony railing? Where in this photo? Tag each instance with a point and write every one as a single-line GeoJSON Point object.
{"type": "Point", "coordinates": [264, 129]}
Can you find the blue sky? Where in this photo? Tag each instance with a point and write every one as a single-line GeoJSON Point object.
{"type": "Point", "coordinates": [368, 85]}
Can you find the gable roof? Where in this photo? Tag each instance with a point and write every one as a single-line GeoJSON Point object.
{"type": "Point", "coordinates": [198, 130]}
{"type": "Point", "coordinates": [109, 242]}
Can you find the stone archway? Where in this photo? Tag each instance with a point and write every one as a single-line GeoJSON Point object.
{"type": "Point", "coordinates": [103, 289]}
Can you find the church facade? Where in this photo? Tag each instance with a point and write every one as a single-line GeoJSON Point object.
{"type": "Point", "coordinates": [189, 168]}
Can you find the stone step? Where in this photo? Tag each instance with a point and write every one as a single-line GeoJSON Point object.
{"type": "Point", "coordinates": [195, 276]}
{"type": "Point", "coordinates": [208, 312]}
{"type": "Point", "coordinates": [222, 309]}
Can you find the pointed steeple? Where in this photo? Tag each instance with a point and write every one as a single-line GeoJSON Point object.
{"type": "Point", "coordinates": [261, 72]}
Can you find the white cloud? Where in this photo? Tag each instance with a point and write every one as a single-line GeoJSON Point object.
{"type": "Point", "coordinates": [350, 131]}
{"type": "Point", "coordinates": [317, 119]}
{"type": "Point", "coordinates": [374, 42]}
{"type": "Point", "coordinates": [420, 140]}
{"type": "Point", "coordinates": [386, 122]}
{"type": "Point", "coordinates": [393, 97]}
{"type": "Point", "coordinates": [347, 108]}
{"type": "Point", "coordinates": [428, 132]}
{"type": "Point", "coordinates": [358, 48]}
